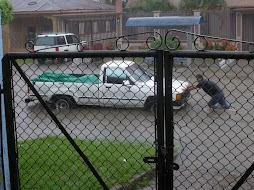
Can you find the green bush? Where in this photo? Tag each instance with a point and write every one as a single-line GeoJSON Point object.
{"type": "Point", "coordinates": [170, 43]}
{"type": "Point", "coordinates": [6, 12]}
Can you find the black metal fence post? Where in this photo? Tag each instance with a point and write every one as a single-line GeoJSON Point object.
{"type": "Point", "coordinates": [1, 132]}
{"type": "Point", "coordinates": [169, 127]}
{"type": "Point", "coordinates": [7, 88]}
{"type": "Point", "coordinates": [160, 121]}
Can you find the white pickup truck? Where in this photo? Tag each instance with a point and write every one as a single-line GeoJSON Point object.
{"type": "Point", "coordinates": [119, 84]}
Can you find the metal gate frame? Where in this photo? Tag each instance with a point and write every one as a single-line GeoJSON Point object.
{"type": "Point", "coordinates": [169, 125]}
{"type": "Point", "coordinates": [9, 62]}
{"type": "Point", "coordinates": [164, 125]}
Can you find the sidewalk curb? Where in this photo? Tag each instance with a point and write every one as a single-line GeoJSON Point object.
{"type": "Point", "coordinates": [148, 174]}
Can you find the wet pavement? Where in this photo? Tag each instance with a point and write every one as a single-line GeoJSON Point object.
{"type": "Point", "coordinates": [217, 145]}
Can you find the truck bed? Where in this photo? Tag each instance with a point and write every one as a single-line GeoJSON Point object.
{"type": "Point", "coordinates": [63, 77]}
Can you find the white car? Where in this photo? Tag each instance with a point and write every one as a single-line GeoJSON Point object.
{"type": "Point", "coordinates": [66, 42]}
{"type": "Point", "coordinates": [119, 84]}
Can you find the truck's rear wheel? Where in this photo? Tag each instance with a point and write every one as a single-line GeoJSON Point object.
{"type": "Point", "coordinates": [63, 102]}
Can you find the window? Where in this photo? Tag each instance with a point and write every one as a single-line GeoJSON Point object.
{"type": "Point", "coordinates": [71, 39]}
{"type": "Point", "coordinates": [31, 35]}
{"type": "Point", "coordinates": [45, 41]}
{"type": "Point", "coordinates": [116, 76]}
{"type": "Point", "coordinates": [81, 28]}
{"type": "Point", "coordinates": [113, 25]}
{"type": "Point", "coordinates": [138, 73]}
{"type": "Point", "coordinates": [88, 27]}
{"type": "Point", "coordinates": [95, 27]}
{"type": "Point", "coordinates": [107, 26]}
{"type": "Point", "coordinates": [101, 26]}
{"type": "Point", "coordinates": [60, 40]}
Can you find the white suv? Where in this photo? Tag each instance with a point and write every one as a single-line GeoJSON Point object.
{"type": "Point", "coordinates": [56, 43]}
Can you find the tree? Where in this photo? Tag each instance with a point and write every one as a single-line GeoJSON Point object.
{"type": "Point", "coordinates": [113, 2]}
{"type": "Point", "coordinates": [151, 5]}
{"type": "Point", "coordinates": [6, 12]}
{"type": "Point", "coordinates": [189, 5]}
{"type": "Point", "coordinates": [110, 2]}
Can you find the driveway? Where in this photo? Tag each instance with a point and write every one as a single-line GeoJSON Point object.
{"type": "Point", "coordinates": [217, 146]}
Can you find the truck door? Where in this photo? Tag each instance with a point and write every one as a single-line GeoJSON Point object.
{"type": "Point", "coordinates": [72, 42]}
{"type": "Point", "coordinates": [117, 90]}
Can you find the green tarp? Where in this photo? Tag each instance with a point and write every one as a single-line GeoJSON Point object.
{"type": "Point", "coordinates": [63, 77]}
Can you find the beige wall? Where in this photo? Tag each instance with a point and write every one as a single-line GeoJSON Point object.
{"type": "Point", "coordinates": [5, 37]}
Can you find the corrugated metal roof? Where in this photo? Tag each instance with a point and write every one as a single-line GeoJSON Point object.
{"type": "Point", "coordinates": [57, 5]}
{"type": "Point", "coordinates": [165, 21]}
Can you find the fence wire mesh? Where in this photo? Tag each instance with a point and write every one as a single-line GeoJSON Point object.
{"type": "Point", "coordinates": [106, 110]}
{"type": "Point", "coordinates": [107, 105]}
{"type": "Point", "coordinates": [217, 144]}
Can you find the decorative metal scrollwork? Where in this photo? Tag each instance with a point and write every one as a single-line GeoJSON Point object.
{"type": "Point", "coordinates": [118, 41]}
{"type": "Point", "coordinates": [206, 42]}
{"type": "Point", "coordinates": [29, 46]}
{"type": "Point", "coordinates": [173, 40]}
{"type": "Point", "coordinates": [196, 45]}
{"type": "Point", "coordinates": [150, 39]}
{"type": "Point", "coordinates": [154, 39]}
{"type": "Point", "coordinates": [118, 47]}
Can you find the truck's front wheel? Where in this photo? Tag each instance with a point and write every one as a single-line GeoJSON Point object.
{"type": "Point", "coordinates": [63, 102]}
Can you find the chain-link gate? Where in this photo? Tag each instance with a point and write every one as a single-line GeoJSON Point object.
{"type": "Point", "coordinates": [215, 128]}
{"type": "Point", "coordinates": [108, 119]}
{"type": "Point", "coordinates": [100, 127]}
{"type": "Point", "coordinates": [217, 142]}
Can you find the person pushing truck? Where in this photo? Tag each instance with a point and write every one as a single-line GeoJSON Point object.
{"type": "Point", "coordinates": [213, 90]}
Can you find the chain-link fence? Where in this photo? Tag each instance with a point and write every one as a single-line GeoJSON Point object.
{"type": "Point", "coordinates": [215, 128]}
{"type": "Point", "coordinates": [96, 120]}
{"type": "Point", "coordinates": [108, 119]}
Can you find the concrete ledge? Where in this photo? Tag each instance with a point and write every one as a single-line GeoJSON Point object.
{"type": "Point", "coordinates": [148, 174]}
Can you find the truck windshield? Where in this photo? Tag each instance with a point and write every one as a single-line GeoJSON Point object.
{"type": "Point", "coordinates": [138, 73]}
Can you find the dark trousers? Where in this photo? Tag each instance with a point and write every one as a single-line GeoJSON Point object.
{"type": "Point", "coordinates": [218, 98]}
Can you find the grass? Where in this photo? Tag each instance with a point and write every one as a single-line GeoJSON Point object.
{"type": "Point", "coordinates": [95, 60]}
{"type": "Point", "coordinates": [52, 163]}
{"type": "Point", "coordinates": [22, 61]}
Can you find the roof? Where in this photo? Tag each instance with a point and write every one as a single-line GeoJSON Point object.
{"type": "Point", "coordinates": [55, 34]}
{"type": "Point", "coordinates": [57, 5]}
{"type": "Point", "coordinates": [240, 4]}
{"type": "Point", "coordinates": [119, 63]}
{"type": "Point", "coordinates": [165, 21]}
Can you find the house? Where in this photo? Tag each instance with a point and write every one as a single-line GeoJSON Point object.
{"type": "Point", "coordinates": [244, 11]}
{"type": "Point", "coordinates": [88, 19]}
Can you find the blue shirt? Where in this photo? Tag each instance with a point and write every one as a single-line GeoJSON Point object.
{"type": "Point", "coordinates": [209, 87]}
